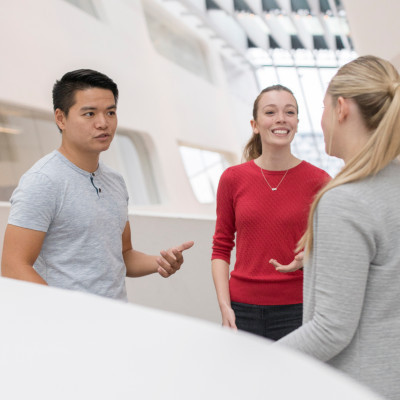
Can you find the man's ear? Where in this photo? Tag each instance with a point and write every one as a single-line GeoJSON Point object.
{"type": "Point", "coordinates": [60, 118]}
{"type": "Point", "coordinates": [254, 126]}
{"type": "Point", "coordinates": [342, 108]}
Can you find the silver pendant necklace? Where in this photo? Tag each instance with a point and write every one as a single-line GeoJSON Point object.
{"type": "Point", "coordinates": [275, 188]}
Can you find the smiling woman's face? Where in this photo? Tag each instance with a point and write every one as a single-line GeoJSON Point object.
{"type": "Point", "coordinates": [277, 118]}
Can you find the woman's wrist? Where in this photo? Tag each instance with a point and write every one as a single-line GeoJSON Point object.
{"type": "Point", "coordinates": [225, 306]}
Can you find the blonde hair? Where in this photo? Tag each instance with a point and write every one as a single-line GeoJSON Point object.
{"type": "Point", "coordinates": [373, 84]}
{"type": "Point", "coordinates": [253, 148]}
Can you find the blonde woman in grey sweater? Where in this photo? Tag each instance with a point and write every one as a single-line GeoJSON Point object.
{"type": "Point", "coordinates": [351, 317]}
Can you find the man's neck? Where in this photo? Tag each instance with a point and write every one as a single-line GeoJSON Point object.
{"type": "Point", "coordinates": [87, 162]}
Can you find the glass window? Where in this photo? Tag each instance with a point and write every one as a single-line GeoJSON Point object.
{"type": "Point", "coordinates": [282, 57]}
{"type": "Point", "coordinates": [307, 146]}
{"type": "Point", "coordinates": [204, 169]}
{"type": "Point", "coordinates": [24, 138]}
{"type": "Point", "coordinates": [303, 57]}
{"type": "Point", "coordinates": [314, 95]}
{"type": "Point", "coordinates": [326, 58]}
{"type": "Point", "coordinates": [177, 44]}
{"type": "Point", "coordinates": [267, 76]}
{"type": "Point", "coordinates": [136, 169]}
{"type": "Point", "coordinates": [345, 56]}
{"type": "Point", "coordinates": [326, 76]}
{"type": "Point", "coordinates": [259, 56]}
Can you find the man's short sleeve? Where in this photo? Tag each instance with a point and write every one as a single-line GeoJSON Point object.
{"type": "Point", "coordinates": [33, 203]}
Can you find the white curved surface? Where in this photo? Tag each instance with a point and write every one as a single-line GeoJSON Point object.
{"type": "Point", "coordinates": [57, 344]}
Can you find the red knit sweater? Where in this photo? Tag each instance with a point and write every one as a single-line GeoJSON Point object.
{"type": "Point", "coordinates": [268, 224]}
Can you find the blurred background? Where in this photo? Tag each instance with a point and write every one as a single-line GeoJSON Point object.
{"type": "Point", "coordinates": [188, 72]}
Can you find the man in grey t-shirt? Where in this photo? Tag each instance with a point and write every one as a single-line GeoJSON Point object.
{"type": "Point", "coordinates": [68, 224]}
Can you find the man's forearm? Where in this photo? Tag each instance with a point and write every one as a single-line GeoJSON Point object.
{"type": "Point", "coordinates": [139, 264]}
{"type": "Point", "coordinates": [20, 250]}
{"type": "Point", "coordinates": [22, 272]}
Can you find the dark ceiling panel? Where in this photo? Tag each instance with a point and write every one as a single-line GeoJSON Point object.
{"type": "Point", "coordinates": [272, 43]}
{"type": "Point", "coordinates": [296, 42]}
{"type": "Point", "coordinates": [319, 42]}
{"type": "Point", "coordinates": [300, 5]}
{"type": "Point", "coordinates": [212, 5]}
{"type": "Point", "coordinates": [241, 5]}
{"type": "Point", "coordinates": [268, 5]}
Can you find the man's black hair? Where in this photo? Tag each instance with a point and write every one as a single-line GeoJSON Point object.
{"type": "Point", "coordinates": [80, 79]}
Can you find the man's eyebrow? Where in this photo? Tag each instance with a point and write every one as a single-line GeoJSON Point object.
{"type": "Point", "coordinates": [89, 108]}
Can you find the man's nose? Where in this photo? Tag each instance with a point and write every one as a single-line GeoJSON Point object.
{"type": "Point", "coordinates": [101, 121]}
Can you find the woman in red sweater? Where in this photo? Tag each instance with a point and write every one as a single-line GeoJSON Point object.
{"type": "Point", "coordinates": [265, 202]}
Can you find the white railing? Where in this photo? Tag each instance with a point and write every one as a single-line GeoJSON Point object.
{"type": "Point", "coordinates": [190, 291]}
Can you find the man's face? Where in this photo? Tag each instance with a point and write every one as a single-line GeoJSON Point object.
{"type": "Point", "coordinates": [91, 122]}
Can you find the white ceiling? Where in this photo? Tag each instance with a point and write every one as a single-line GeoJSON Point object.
{"type": "Point", "coordinates": [375, 27]}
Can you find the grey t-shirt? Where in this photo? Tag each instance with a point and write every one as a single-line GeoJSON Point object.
{"type": "Point", "coordinates": [83, 215]}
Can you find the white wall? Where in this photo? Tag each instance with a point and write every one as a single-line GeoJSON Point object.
{"type": "Point", "coordinates": [376, 30]}
{"type": "Point", "coordinates": [43, 39]}
{"type": "Point", "coordinates": [191, 290]}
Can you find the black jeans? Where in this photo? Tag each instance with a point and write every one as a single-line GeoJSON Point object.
{"type": "Point", "coordinates": [272, 322]}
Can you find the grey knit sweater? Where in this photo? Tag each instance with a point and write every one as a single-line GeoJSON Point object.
{"type": "Point", "coordinates": [351, 315]}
